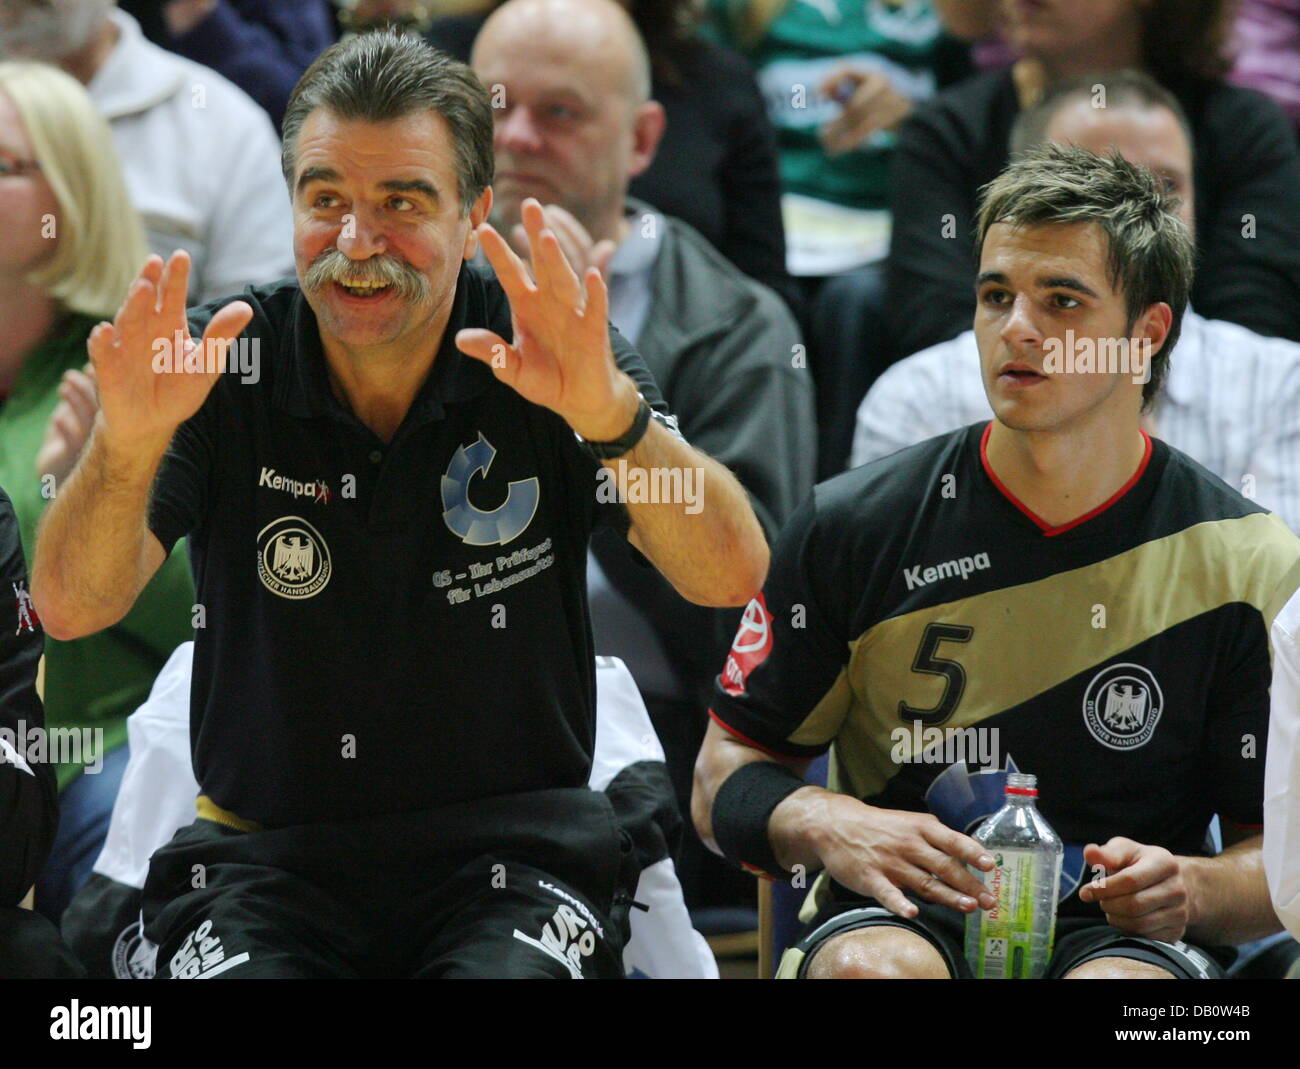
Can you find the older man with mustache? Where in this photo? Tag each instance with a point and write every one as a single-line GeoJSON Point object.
{"type": "Point", "coordinates": [392, 705]}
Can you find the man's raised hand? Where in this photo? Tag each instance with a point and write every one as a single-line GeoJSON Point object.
{"type": "Point", "coordinates": [870, 103]}
{"type": "Point", "coordinates": [560, 357]}
{"type": "Point", "coordinates": [141, 407]}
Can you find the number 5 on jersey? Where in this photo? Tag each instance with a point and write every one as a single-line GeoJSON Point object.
{"type": "Point", "coordinates": [928, 663]}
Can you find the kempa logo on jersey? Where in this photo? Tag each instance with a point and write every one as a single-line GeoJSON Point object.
{"type": "Point", "coordinates": [581, 907]}
{"type": "Point", "coordinates": [28, 620]}
{"type": "Point", "coordinates": [949, 569]}
{"type": "Point", "coordinates": [1122, 706]}
{"type": "Point", "coordinates": [318, 490]}
{"type": "Point", "coordinates": [293, 560]}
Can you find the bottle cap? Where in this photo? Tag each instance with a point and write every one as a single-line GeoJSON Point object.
{"type": "Point", "coordinates": [1022, 783]}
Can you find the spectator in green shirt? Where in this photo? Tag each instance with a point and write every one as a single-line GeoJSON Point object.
{"type": "Point", "coordinates": [71, 243]}
{"type": "Point", "coordinates": [838, 77]}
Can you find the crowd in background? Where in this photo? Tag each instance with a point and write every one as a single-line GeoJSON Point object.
{"type": "Point", "coordinates": [791, 225]}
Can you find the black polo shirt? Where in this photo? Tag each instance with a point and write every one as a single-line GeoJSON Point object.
{"type": "Point", "coordinates": [385, 628]}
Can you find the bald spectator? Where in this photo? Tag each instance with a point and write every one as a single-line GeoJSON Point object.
{"type": "Point", "coordinates": [575, 126]}
{"type": "Point", "coordinates": [1232, 396]}
{"type": "Point", "coordinates": [201, 160]}
{"type": "Point", "coordinates": [716, 165]}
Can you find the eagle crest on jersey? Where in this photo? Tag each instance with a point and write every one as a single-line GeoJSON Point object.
{"type": "Point", "coordinates": [293, 558]}
{"type": "Point", "coordinates": [1125, 709]}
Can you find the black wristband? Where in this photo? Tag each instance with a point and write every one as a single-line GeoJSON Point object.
{"type": "Point", "coordinates": [741, 811]}
{"type": "Point", "coordinates": [626, 442]}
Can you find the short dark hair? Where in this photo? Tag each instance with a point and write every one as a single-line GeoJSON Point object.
{"type": "Point", "coordinates": [380, 77]}
{"type": "Point", "coordinates": [1151, 256]}
{"type": "Point", "coordinates": [1121, 88]}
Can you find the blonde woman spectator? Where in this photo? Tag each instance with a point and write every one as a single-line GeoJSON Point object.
{"type": "Point", "coordinates": [200, 159]}
{"type": "Point", "coordinates": [72, 245]}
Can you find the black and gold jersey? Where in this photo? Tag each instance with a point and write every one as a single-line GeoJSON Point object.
{"type": "Point", "coordinates": [935, 634]}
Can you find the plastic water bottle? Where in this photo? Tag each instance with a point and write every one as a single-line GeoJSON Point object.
{"type": "Point", "coordinates": [1013, 940]}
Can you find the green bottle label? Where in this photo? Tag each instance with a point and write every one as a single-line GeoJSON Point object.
{"type": "Point", "coordinates": [1006, 931]}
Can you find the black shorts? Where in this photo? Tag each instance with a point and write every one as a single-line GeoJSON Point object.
{"type": "Point", "coordinates": [1078, 939]}
{"type": "Point", "coordinates": [363, 900]}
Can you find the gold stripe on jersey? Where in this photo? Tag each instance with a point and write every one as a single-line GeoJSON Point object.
{"type": "Point", "coordinates": [1029, 638]}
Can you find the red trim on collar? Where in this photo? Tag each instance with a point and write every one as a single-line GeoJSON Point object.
{"type": "Point", "coordinates": [1047, 529]}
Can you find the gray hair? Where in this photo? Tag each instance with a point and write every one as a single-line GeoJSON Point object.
{"type": "Point", "coordinates": [1151, 255]}
{"type": "Point", "coordinates": [381, 77]}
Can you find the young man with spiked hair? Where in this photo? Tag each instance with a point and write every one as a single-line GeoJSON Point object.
{"type": "Point", "coordinates": [1087, 597]}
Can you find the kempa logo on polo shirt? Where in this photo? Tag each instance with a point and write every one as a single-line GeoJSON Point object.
{"type": "Point", "coordinates": [318, 490]}
{"type": "Point", "coordinates": [27, 618]}
{"type": "Point", "coordinates": [293, 560]}
{"type": "Point", "coordinates": [949, 569]}
{"type": "Point", "coordinates": [485, 527]}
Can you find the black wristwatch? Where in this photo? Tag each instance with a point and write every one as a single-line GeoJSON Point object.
{"type": "Point", "coordinates": [626, 442]}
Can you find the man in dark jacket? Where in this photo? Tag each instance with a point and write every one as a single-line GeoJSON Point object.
{"type": "Point", "coordinates": [408, 478]}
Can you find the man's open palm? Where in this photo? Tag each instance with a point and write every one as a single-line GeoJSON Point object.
{"type": "Point", "coordinates": [560, 356]}
{"type": "Point", "coordinates": [137, 402]}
